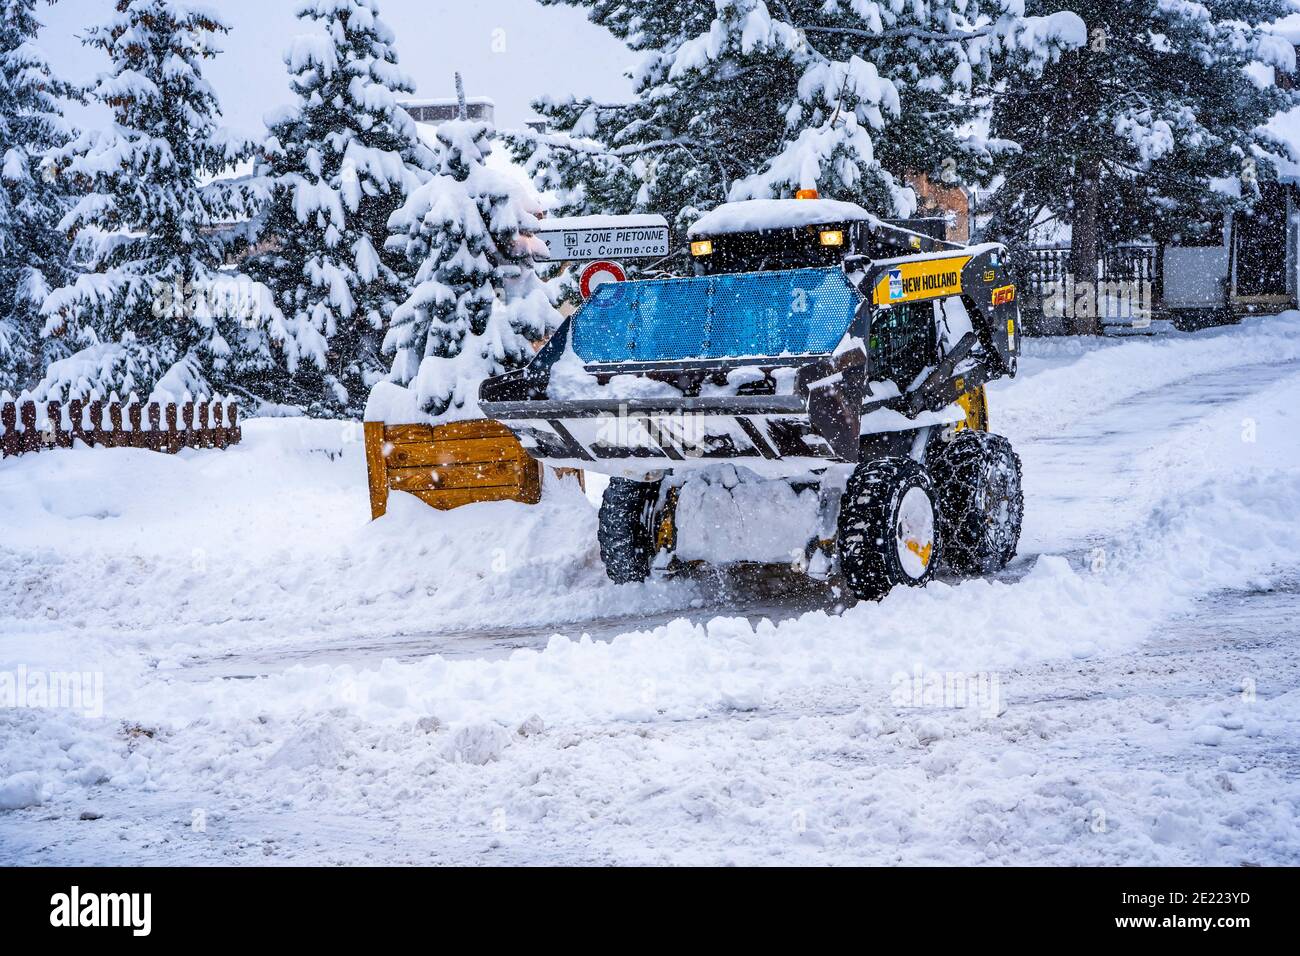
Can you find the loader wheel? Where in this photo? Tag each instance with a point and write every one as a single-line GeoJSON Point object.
{"type": "Point", "coordinates": [625, 532]}
{"type": "Point", "coordinates": [888, 534]}
{"type": "Point", "coordinates": [981, 504]}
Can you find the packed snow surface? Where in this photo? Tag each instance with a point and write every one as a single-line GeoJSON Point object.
{"type": "Point", "coordinates": [281, 680]}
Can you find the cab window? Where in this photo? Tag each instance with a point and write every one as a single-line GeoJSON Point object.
{"type": "Point", "coordinates": [902, 342]}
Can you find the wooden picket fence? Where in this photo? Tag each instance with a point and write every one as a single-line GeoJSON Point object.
{"type": "Point", "coordinates": [27, 426]}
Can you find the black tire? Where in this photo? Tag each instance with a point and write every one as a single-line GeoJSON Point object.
{"type": "Point", "coordinates": [981, 503]}
{"type": "Point", "coordinates": [872, 533]}
{"type": "Point", "coordinates": [626, 529]}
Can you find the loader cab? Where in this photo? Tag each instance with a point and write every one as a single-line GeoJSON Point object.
{"type": "Point", "coordinates": [766, 235]}
{"type": "Point", "coordinates": [763, 235]}
{"type": "Point", "coordinates": [815, 245]}
{"type": "Point", "coordinates": [902, 341]}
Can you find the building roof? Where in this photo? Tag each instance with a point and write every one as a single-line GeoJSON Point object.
{"type": "Point", "coordinates": [446, 101]}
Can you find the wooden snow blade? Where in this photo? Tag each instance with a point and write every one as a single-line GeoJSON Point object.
{"type": "Point", "coordinates": [447, 466]}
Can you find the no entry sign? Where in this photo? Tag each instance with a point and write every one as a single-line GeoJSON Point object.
{"type": "Point", "coordinates": [598, 273]}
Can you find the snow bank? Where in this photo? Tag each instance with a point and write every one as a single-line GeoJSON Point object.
{"type": "Point", "coordinates": [20, 790]}
{"type": "Point", "coordinates": [359, 741]}
{"type": "Point", "coordinates": [269, 541]}
{"type": "Point", "coordinates": [1229, 535]}
{"type": "Point", "coordinates": [1086, 374]}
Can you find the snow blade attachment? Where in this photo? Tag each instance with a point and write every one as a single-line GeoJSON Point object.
{"type": "Point", "coordinates": [796, 312]}
{"type": "Point", "coordinates": [673, 373]}
{"type": "Point", "coordinates": [768, 368]}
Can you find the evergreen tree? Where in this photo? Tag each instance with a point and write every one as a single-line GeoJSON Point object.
{"type": "Point", "coordinates": [759, 98]}
{"type": "Point", "coordinates": [477, 304]}
{"type": "Point", "coordinates": [156, 308]}
{"type": "Point", "coordinates": [33, 250]}
{"type": "Point", "coordinates": [1132, 135]}
{"type": "Point", "coordinates": [340, 162]}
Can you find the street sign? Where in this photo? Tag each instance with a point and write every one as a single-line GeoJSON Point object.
{"type": "Point", "coordinates": [588, 238]}
{"type": "Point", "coordinates": [598, 273]}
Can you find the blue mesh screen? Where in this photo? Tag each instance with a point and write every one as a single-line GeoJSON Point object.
{"type": "Point", "coordinates": [794, 312]}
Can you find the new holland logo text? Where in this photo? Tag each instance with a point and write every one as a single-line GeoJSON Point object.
{"type": "Point", "coordinates": [75, 908]}
{"type": "Point", "coordinates": [930, 282]}
{"type": "Point", "coordinates": [920, 280]}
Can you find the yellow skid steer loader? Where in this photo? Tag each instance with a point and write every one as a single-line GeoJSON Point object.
{"type": "Point", "coordinates": [812, 395]}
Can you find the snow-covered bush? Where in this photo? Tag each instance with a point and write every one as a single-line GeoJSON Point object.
{"type": "Point", "coordinates": [33, 250]}
{"type": "Point", "coordinates": [339, 162]}
{"type": "Point", "coordinates": [478, 303]}
{"type": "Point", "coordinates": [154, 222]}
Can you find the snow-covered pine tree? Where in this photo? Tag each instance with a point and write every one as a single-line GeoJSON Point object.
{"type": "Point", "coordinates": [153, 223]}
{"type": "Point", "coordinates": [33, 250]}
{"type": "Point", "coordinates": [478, 303]}
{"type": "Point", "coordinates": [759, 98]}
{"type": "Point", "coordinates": [340, 162]}
{"type": "Point", "coordinates": [1126, 137]}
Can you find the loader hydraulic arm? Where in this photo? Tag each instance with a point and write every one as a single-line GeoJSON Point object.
{"type": "Point", "coordinates": [940, 389]}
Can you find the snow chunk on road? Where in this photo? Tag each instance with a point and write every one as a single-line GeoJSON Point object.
{"type": "Point", "coordinates": [478, 744]}
{"type": "Point", "coordinates": [21, 790]}
{"type": "Point", "coordinates": [318, 745]}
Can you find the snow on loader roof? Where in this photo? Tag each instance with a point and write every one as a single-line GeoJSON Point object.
{"type": "Point", "coordinates": [755, 215]}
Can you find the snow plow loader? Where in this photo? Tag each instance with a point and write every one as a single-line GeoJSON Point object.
{"type": "Point", "coordinates": [813, 395]}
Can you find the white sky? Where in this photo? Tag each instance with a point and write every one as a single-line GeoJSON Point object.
{"type": "Point", "coordinates": [552, 50]}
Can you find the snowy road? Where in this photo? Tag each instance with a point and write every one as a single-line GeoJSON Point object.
{"type": "Point", "coordinates": [285, 683]}
{"type": "Point", "coordinates": [1070, 516]}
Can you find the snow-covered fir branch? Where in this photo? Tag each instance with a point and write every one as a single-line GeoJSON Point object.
{"type": "Point", "coordinates": [477, 302]}
{"type": "Point", "coordinates": [338, 162]}
{"type": "Point", "coordinates": [34, 251]}
{"type": "Point", "coordinates": [750, 107]}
